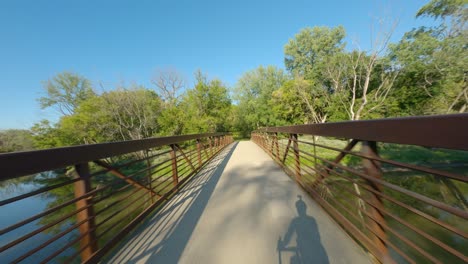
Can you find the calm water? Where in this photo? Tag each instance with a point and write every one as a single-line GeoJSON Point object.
{"type": "Point", "coordinates": [20, 210]}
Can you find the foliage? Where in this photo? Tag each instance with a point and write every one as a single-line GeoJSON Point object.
{"type": "Point", "coordinates": [253, 93]}
{"type": "Point", "coordinates": [15, 140]}
{"type": "Point", "coordinates": [65, 92]}
{"type": "Point", "coordinates": [307, 54]}
{"type": "Point", "coordinates": [432, 62]}
{"type": "Point", "coordinates": [325, 80]}
{"type": "Point", "coordinates": [208, 104]}
{"type": "Point", "coordinates": [46, 135]}
{"type": "Point", "coordinates": [137, 112]}
{"type": "Point", "coordinates": [424, 73]}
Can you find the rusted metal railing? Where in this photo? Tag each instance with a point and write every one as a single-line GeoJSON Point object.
{"type": "Point", "coordinates": [95, 194]}
{"type": "Point", "coordinates": [402, 196]}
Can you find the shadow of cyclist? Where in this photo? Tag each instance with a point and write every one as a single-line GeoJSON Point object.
{"type": "Point", "coordinates": [308, 247]}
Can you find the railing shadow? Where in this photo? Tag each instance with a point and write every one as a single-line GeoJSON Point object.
{"type": "Point", "coordinates": [308, 248]}
{"type": "Point", "coordinates": [163, 237]}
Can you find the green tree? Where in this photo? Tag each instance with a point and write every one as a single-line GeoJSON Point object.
{"type": "Point", "coordinates": [207, 106]}
{"type": "Point", "coordinates": [65, 92]}
{"type": "Point", "coordinates": [330, 80]}
{"type": "Point", "coordinates": [287, 105]}
{"type": "Point", "coordinates": [16, 140]}
{"type": "Point", "coordinates": [172, 118]}
{"type": "Point", "coordinates": [134, 112]}
{"type": "Point", "coordinates": [46, 135]}
{"type": "Point", "coordinates": [253, 93]}
{"type": "Point", "coordinates": [432, 62]}
{"type": "Point", "coordinates": [310, 57]}
{"type": "Point", "coordinates": [307, 53]}
{"type": "Point", "coordinates": [122, 114]}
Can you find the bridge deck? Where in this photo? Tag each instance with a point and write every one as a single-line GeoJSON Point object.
{"type": "Point", "coordinates": [235, 211]}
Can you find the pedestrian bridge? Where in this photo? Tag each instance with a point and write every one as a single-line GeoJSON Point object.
{"type": "Point", "coordinates": [241, 208]}
{"type": "Point", "coordinates": [391, 190]}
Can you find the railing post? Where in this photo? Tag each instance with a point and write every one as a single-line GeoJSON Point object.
{"type": "Point", "coordinates": [296, 156]}
{"type": "Point", "coordinates": [149, 176]}
{"type": "Point", "coordinates": [277, 146]}
{"type": "Point", "coordinates": [87, 216]}
{"type": "Point", "coordinates": [199, 152]}
{"type": "Point", "coordinates": [272, 145]}
{"type": "Point", "coordinates": [372, 168]}
{"type": "Point", "coordinates": [175, 175]}
{"type": "Point", "coordinates": [211, 146]}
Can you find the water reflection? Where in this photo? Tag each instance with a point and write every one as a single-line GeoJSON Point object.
{"type": "Point", "coordinates": [21, 210]}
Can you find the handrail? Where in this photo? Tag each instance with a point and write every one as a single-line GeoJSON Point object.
{"type": "Point", "coordinates": [29, 162]}
{"type": "Point", "coordinates": [442, 131]}
{"type": "Point", "coordinates": [403, 210]}
{"type": "Point", "coordinates": [106, 191]}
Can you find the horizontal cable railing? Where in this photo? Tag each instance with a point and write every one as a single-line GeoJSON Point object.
{"type": "Point", "coordinates": [397, 186]}
{"type": "Point", "coordinates": [89, 197]}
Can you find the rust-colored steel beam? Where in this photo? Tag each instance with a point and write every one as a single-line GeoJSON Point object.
{"type": "Point", "coordinates": [277, 146]}
{"type": "Point", "coordinates": [175, 174]}
{"type": "Point", "coordinates": [199, 152]}
{"type": "Point", "coordinates": [374, 232]}
{"type": "Point", "coordinates": [372, 169]}
{"type": "Point", "coordinates": [286, 150]}
{"type": "Point", "coordinates": [342, 154]}
{"type": "Point", "coordinates": [403, 222]}
{"type": "Point", "coordinates": [185, 156]}
{"type": "Point", "coordinates": [297, 157]}
{"type": "Point", "coordinates": [82, 188]}
{"type": "Point", "coordinates": [130, 226]}
{"type": "Point", "coordinates": [442, 131]}
{"type": "Point", "coordinates": [211, 145]}
{"type": "Point", "coordinates": [85, 195]}
{"type": "Point", "coordinates": [24, 163]}
{"type": "Point", "coordinates": [122, 176]}
{"type": "Point", "coordinates": [401, 164]}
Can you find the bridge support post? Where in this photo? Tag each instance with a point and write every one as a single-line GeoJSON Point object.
{"type": "Point", "coordinates": [211, 146]}
{"type": "Point", "coordinates": [86, 216]}
{"type": "Point", "coordinates": [372, 168]}
{"type": "Point", "coordinates": [297, 161]}
{"type": "Point", "coordinates": [277, 146]}
{"type": "Point", "coordinates": [272, 145]}
{"type": "Point", "coordinates": [175, 176]}
{"type": "Point", "coordinates": [149, 176]}
{"type": "Point", "coordinates": [199, 153]}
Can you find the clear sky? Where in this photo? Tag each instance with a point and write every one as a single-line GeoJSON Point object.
{"type": "Point", "coordinates": [115, 42]}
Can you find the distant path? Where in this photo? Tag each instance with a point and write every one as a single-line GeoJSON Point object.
{"type": "Point", "coordinates": [235, 211]}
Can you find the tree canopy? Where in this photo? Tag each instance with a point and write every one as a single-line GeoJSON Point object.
{"type": "Point", "coordinates": [324, 79]}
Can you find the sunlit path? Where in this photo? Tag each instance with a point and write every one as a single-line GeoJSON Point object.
{"type": "Point", "coordinates": [241, 208]}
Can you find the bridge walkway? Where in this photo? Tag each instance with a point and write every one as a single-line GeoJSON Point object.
{"type": "Point", "coordinates": [241, 208]}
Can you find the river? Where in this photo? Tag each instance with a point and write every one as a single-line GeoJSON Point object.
{"type": "Point", "coordinates": [20, 210]}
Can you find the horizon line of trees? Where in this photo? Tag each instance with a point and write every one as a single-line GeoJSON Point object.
{"type": "Point", "coordinates": [325, 80]}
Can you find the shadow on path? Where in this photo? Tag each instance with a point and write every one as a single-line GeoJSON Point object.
{"type": "Point", "coordinates": [308, 248]}
{"type": "Point", "coordinates": [163, 238]}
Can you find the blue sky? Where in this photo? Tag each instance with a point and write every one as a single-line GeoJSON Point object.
{"type": "Point", "coordinates": [115, 42]}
